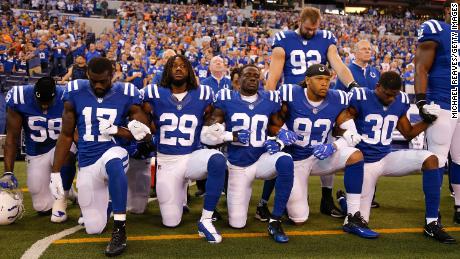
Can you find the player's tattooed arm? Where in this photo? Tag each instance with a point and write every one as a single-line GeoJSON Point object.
{"type": "Point", "coordinates": [65, 139]}
{"type": "Point", "coordinates": [13, 131]}
{"type": "Point", "coordinates": [424, 57]}
{"type": "Point", "coordinates": [276, 68]}
{"type": "Point", "coordinates": [277, 120]}
{"type": "Point", "coordinates": [408, 130]}
{"type": "Point", "coordinates": [148, 110]}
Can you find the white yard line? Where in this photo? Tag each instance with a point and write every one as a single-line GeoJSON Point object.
{"type": "Point", "coordinates": [39, 247]}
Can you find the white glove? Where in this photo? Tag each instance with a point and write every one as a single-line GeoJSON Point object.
{"type": "Point", "coordinates": [106, 127]}
{"type": "Point", "coordinates": [352, 138]}
{"type": "Point", "coordinates": [56, 188]}
{"type": "Point", "coordinates": [432, 109]}
{"type": "Point", "coordinates": [217, 130]}
{"type": "Point", "coordinates": [138, 129]}
{"type": "Point", "coordinates": [213, 135]}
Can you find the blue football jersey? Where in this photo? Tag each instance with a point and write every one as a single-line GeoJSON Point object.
{"type": "Point", "coordinates": [41, 130]}
{"type": "Point", "coordinates": [301, 53]}
{"type": "Point", "coordinates": [178, 123]}
{"type": "Point", "coordinates": [439, 84]}
{"type": "Point", "coordinates": [313, 124]}
{"type": "Point", "coordinates": [240, 114]}
{"type": "Point", "coordinates": [114, 106]}
{"type": "Point", "coordinates": [376, 122]}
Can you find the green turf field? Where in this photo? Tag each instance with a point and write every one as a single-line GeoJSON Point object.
{"type": "Point", "coordinates": [402, 210]}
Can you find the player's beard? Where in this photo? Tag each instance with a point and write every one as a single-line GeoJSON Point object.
{"type": "Point", "coordinates": [179, 82]}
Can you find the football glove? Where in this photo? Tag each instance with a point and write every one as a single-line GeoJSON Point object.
{"type": "Point", "coordinates": [271, 146]}
{"type": "Point", "coordinates": [242, 136]}
{"type": "Point", "coordinates": [56, 187]}
{"type": "Point", "coordinates": [287, 137]}
{"type": "Point", "coordinates": [323, 151]}
{"type": "Point", "coordinates": [8, 181]}
{"type": "Point", "coordinates": [106, 127]}
{"type": "Point", "coordinates": [428, 112]}
{"type": "Point", "coordinates": [353, 84]}
{"type": "Point", "coordinates": [144, 148]}
{"type": "Point", "coordinates": [138, 129]}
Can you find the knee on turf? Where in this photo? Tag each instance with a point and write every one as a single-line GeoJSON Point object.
{"type": "Point", "coordinates": [430, 163]}
{"type": "Point", "coordinates": [95, 226]}
{"type": "Point", "coordinates": [42, 205]}
{"type": "Point", "coordinates": [238, 221]}
{"type": "Point", "coordinates": [355, 157]}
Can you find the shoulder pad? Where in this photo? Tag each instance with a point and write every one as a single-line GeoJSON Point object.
{"type": "Point", "coordinates": [343, 97]}
{"type": "Point", "coordinates": [205, 92]}
{"type": "Point", "coordinates": [152, 91]}
{"type": "Point", "coordinates": [286, 92]}
{"type": "Point", "coordinates": [404, 98]}
{"type": "Point", "coordinates": [224, 94]}
{"type": "Point", "coordinates": [359, 93]}
{"type": "Point", "coordinates": [128, 89]}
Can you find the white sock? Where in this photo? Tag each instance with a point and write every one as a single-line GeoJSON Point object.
{"type": "Point", "coordinates": [353, 202]}
{"type": "Point", "coordinates": [456, 188]}
{"type": "Point", "coordinates": [429, 220]}
{"type": "Point", "coordinates": [206, 214]}
{"type": "Point", "coordinates": [119, 217]}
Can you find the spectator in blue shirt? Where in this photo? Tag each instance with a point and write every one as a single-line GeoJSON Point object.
{"type": "Point", "coordinates": [44, 54]}
{"type": "Point", "coordinates": [137, 74]}
{"type": "Point", "coordinates": [60, 50]}
{"type": "Point", "coordinates": [92, 52]}
{"type": "Point", "coordinates": [202, 69]}
{"type": "Point", "coordinates": [217, 80]}
{"type": "Point", "coordinates": [363, 72]}
{"type": "Point", "coordinates": [409, 81]}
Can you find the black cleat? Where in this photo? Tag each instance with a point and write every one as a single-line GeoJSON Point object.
{"type": "Point", "coordinates": [456, 214]}
{"type": "Point", "coordinates": [117, 243]}
{"type": "Point", "coordinates": [328, 208]}
{"type": "Point", "coordinates": [45, 213]}
{"type": "Point", "coordinates": [375, 204]}
{"type": "Point", "coordinates": [356, 224]}
{"type": "Point", "coordinates": [434, 230]}
{"type": "Point", "coordinates": [216, 216]}
{"type": "Point", "coordinates": [275, 230]}
{"type": "Point", "coordinates": [262, 213]}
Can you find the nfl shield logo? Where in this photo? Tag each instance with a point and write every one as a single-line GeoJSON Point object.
{"type": "Point", "coordinates": [251, 106]}
{"type": "Point", "coordinates": [315, 110]}
{"type": "Point", "coordinates": [305, 42]}
{"type": "Point", "coordinates": [179, 107]}
{"type": "Point", "coordinates": [99, 100]}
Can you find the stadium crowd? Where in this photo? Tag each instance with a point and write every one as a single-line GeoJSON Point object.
{"type": "Point", "coordinates": [61, 46]}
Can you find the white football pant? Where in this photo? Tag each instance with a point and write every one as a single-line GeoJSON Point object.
{"type": "Point", "coordinates": [297, 206]}
{"type": "Point", "coordinates": [173, 174]}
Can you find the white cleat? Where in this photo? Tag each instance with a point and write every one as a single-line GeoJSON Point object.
{"type": "Point", "coordinates": [207, 230]}
{"type": "Point", "coordinates": [59, 213]}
